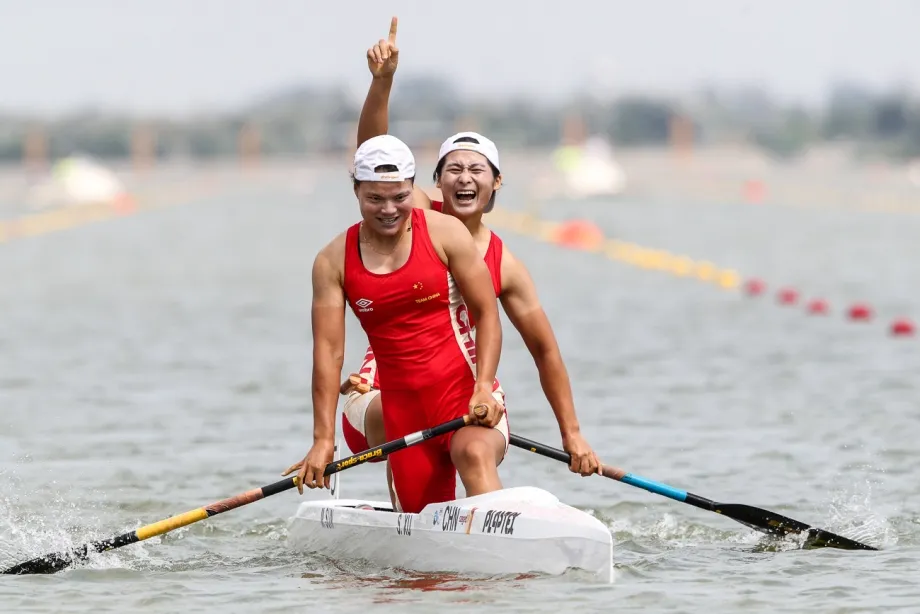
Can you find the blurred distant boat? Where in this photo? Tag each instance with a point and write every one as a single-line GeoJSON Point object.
{"type": "Point", "coordinates": [74, 181]}
{"type": "Point", "coordinates": [913, 172]}
{"type": "Point", "coordinates": [589, 170]}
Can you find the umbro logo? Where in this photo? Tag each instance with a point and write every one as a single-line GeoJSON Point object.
{"type": "Point", "coordinates": [364, 305]}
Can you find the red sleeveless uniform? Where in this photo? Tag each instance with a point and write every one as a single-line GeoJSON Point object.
{"type": "Point", "coordinates": [493, 259]}
{"type": "Point", "coordinates": [419, 327]}
{"type": "Point", "coordinates": [353, 421]}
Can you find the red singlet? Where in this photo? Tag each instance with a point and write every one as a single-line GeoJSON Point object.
{"type": "Point", "coordinates": [418, 325]}
{"type": "Point", "coordinates": [414, 317]}
{"type": "Point", "coordinates": [493, 257]}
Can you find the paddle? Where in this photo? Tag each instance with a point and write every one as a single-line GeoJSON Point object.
{"type": "Point", "coordinates": [53, 562]}
{"type": "Point", "coordinates": [754, 517]}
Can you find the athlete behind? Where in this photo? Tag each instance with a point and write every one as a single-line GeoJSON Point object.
{"type": "Point", "coordinates": [409, 276]}
{"type": "Point", "coordinates": [468, 176]}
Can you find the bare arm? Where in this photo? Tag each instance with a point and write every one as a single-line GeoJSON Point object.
{"type": "Point", "coordinates": [374, 119]}
{"type": "Point", "coordinates": [382, 60]}
{"type": "Point", "coordinates": [520, 301]}
{"type": "Point", "coordinates": [328, 316]}
{"type": "Point", "coordinates": [472, 276]}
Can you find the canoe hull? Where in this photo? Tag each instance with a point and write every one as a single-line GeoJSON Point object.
{"type": "Point", "coordinates": [515, 530]}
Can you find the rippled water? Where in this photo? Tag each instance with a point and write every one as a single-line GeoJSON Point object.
{"type": "Point", "coordinates": [156, 363]}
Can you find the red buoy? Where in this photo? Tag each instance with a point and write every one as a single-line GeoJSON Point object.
{"type": "Point", "coordinates": [787, 296]}
{"type": "Point", "coordinates": [755, 287]}
{"type": "Point", "coordinates": [818, 306]}
{"type": "Point", "coordinates": [902, 327]}
{"type": "Point", "coordinates": [579, 234]}
{"type": "Point", "coordinates": [860, 311]}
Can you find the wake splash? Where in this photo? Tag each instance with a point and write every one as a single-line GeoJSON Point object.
{"type": "Point", "coordinates": [850, 512]}
{"type": "Point", "coordinates": [38, 521]}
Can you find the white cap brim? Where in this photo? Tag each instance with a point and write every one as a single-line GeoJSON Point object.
{"type": "Point", "coordinates": [482, 146]}
{"type": "Point", "coordinates": [381, 151]}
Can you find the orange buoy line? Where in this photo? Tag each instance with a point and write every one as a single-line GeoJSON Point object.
{"type": "Point", "coordinates": [587, 236]}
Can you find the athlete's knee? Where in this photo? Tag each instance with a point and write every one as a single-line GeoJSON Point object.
{"type": "Point", "coordinates": [374, 428]}
{"type": "Point", "coordinates": [473, 451]}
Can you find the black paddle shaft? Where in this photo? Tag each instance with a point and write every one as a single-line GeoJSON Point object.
{"type": "Point", "coordinates": [56, 561]}
{"type": "Point", "coordinates": [753, 517]}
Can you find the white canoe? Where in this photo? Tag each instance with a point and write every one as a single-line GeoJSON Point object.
{"type": "Point", "coordinates": [511, 531]}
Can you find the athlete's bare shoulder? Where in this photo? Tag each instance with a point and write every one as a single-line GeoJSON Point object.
{"type": "Point", "coordinates": [335, 247]}
{"type": "Point", "coordinates": [329, 262]}
{"type": "Point", "coordinates": [441, 223]}
{"type": "Point", "coordinates": [421, 200]}
{"type": "Point", "coordinates": [448, 234]}
{"type": "Point", "coordinates": [513, 271]}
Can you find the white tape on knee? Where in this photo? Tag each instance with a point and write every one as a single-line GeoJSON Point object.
{"type": "Point", "coordinates": [356, 408]}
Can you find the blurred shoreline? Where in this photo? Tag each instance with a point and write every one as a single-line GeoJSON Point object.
{"type": "Point", "coordinates": [823, 178]}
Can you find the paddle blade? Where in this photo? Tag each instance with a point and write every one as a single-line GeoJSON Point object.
{"type": "Point", "coordinates": [777, 524]}
{"type": "Point", "coordinates": [819, 538]}
{"type": "Point", "coordinates": [50, 563]}
{"type": "Point", "coordinates": [760, 519]}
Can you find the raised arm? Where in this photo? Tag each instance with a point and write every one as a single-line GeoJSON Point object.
{"type": "Point", "coordinates": [522, 305]}
{"type": "Point", "coordinates": [382, 60]}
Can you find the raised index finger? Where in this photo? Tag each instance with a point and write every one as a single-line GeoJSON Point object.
{"type": "Point", "coordinates": [392, 37]}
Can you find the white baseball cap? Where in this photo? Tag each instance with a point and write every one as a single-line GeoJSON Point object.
{"type": "Point", "coordinates": [384, 150]}
{"type": "Point", "coordinates": [481, 145]}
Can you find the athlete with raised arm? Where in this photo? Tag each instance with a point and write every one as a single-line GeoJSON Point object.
{"type": "Point", "coordinates": [468, 176]}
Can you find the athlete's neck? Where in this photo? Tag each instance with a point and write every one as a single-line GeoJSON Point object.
{"type": "Point", "coordinates": [476, 227]}
{"type": "Point", "coordinates": [472, 222]}
{"type": "Point", "coordinates": [380, 243]}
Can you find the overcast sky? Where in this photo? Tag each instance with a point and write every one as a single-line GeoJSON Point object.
{"type": "Point", "coordinates": [178, 56]}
